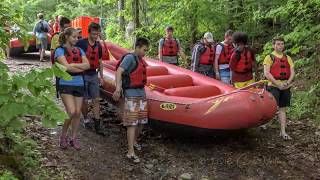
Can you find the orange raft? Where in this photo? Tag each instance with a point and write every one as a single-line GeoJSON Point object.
{"type": "Point", "coordinates": [178, 96]}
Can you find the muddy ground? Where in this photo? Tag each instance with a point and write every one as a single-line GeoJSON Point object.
{"type": "Point", "coordinates": [254, 154]}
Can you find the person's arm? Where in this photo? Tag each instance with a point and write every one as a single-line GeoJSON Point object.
{"type": "Point", "coordinates": [70, 68]}
{"type": "Point", "coordinates": [83, 66]}
{"type": "Point", "coordinates": [292, 74]}
{"type": "Point", "coordinates": [117, 92]}
{"type": "Point", "coordinates": [35, 29]}
{"type": "Point", "coordinates": [216, 61]}
{"type": "Point", "coordinates": [197, 50]}
{"type": "Point", "coordinates": [290, 80]}
{"type": "Point", "coordinates": [255, 66]}
{"type": "Point", "coordinates": [100, 68]}
{"type": "Point", "coordinates": [160, 49]}
{"type": "Point", "coordinates": [233, 61]}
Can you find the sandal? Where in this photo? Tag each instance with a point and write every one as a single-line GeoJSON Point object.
{"type": "Point", "coordinates": [134, 158]}
{"type": "Point", "coordinates": [285, 136]}
{"type": "Point", "coordinates": [137, 147]}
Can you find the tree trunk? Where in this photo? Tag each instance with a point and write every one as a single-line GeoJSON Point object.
{"type": "Point", "coordinates": [135, 10]}
{"type": "Point", "coordinates": [121, 4]}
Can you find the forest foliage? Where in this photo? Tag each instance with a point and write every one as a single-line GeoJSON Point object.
{"type": "Point", "coordinates": [298, 21]}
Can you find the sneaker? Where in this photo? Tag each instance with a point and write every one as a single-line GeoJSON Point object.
{"type": "Point", "coordinates": [134, 158]}
{"type": "Point", "coordinates": [263, 127]}
{"type": "Point", "coordinates": [98, 129]}
{"type": "Point", "coordinates": [137, 147]}
{"type": "Point", "coordinates": [63, 142]}
{"type": "Point", "coordinates": [87, 123]}
{"type": "Point", "coordinates": [75, 144]}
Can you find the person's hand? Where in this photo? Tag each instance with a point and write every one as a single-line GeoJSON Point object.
{"type": "Point", "coordinates": [117, 94]}
{"type": "Point", "coordinates": [101, 81]}
{"type": "Point", "coordinates": [286, 85]}
{"type": "Point", "coordinates": [280, 86]}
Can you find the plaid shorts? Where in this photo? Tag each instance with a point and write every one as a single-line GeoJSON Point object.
{"type": "Point", "coordinates": [135, 111]}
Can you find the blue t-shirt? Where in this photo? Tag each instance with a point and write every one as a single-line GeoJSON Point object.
{"type": "Point", "coordinates": [128, 64]}
{"type": "Point", "coordinates": [60, 52]}
{"type": "Point", "coordinates": [37, 29]}
{"type": "Point", "coordinates": [76, 80]}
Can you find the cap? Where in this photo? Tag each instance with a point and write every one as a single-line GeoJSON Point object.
{"type": "Point", "coordinates": [208, 36]}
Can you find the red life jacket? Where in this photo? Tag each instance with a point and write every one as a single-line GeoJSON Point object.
{"type": "Point", "coordinates": [72, 55]}
{"type": "Point", "coordinates": [105, 51]}
{"type": "Point", "coordinates": [226, 52]}
{"type": "Point", "coordinates": [92, 54]}
{"type": "Point", "coordinates": [137, 78]}
{"type": "Point", "coordinates": [52, 51]}
{"type": "Point", "coordinates": [207, 58]}
{"type": "Point", "coordinates": [170, 47]}
{"type": "Point", "coordinates": [280, 68]}
{"type": "Point", "coordinates": [245, 61]}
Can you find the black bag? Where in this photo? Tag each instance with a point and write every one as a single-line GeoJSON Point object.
{"type": "Point", "coordinates": [42, 28]}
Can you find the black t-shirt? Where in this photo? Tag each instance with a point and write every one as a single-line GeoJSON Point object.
{"type": "Point", "coordinates": [84, 43]}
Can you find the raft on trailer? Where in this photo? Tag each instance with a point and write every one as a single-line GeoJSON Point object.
{"type": "Point", "coordinates": [17, 47]}
{"type": "Point", "coordinates": [180, 97]}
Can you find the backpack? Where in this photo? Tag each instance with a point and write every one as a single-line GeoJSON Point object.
{"type": "Point", "coordinates": [42, 28]}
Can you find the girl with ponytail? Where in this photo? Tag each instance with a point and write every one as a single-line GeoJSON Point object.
{"type": "Point", "coordinates": [71, 91]}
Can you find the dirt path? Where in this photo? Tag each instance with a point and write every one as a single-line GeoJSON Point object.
{"type": "Point", "coordinates": [255, 154]}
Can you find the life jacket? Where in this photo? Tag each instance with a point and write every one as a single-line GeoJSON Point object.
{"type": "Point", "coordinates": [170, 47]}
{"type": "Point", "coordinates": [105, 51]}
{"type": "Point", "coordinates": [245, 61]}
{"type": "Point", "coordinates": [92, 54]}
{"type": "Point", "coordinates": [207, 58]}
{"type": "Point", "coordinates": [52, 51]}
{"type": "Point", "coordinates": [280, 68]}
{"type": "Point", "coordinates": [72, 55]}
{"type": "Point", "coordinates": [226, 52]}
{"type": "Point", "coordinates": [137, 78]}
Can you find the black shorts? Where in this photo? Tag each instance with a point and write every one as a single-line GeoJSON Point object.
{"type": "Point", "coordinates": [77, 91]}
{"type": "Point", "coordinates": [282, 96]}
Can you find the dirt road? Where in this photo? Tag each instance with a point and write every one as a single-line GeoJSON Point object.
{"type": "Point", "coordinates": [255, 154]}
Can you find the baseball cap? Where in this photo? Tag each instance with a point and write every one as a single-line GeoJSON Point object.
{"type": "Point", "coordinates": [208, 36]}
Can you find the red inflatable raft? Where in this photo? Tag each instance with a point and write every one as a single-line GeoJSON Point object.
{"type": "Point", "coordinates": [17, 47]}
{"type": "Point", "coordinates": [178, 96]}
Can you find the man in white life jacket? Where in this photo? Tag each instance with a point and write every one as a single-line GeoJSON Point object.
{"type": "Point", "coordinates": [202, 59]}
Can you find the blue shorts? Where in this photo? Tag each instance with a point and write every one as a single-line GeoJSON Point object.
{"type": "Point", "coordinates": [92, 90]}
{"type": "Point", "coordinates": [77, 91]}
{"type": "Point", "coordinates": [225, 75]}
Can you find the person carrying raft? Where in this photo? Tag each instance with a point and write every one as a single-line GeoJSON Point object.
{"type": "Point", "coordinates": [131, 78]}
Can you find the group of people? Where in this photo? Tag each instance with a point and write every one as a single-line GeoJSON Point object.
{"type": "Point", "coordinates": [43, 29]}
{"type": "Point", "coordinates": [233, 62]}
{"type": "Point", "coordinates": [230, 61]}
{"type": "Point", "coordinates": [83, 61]}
